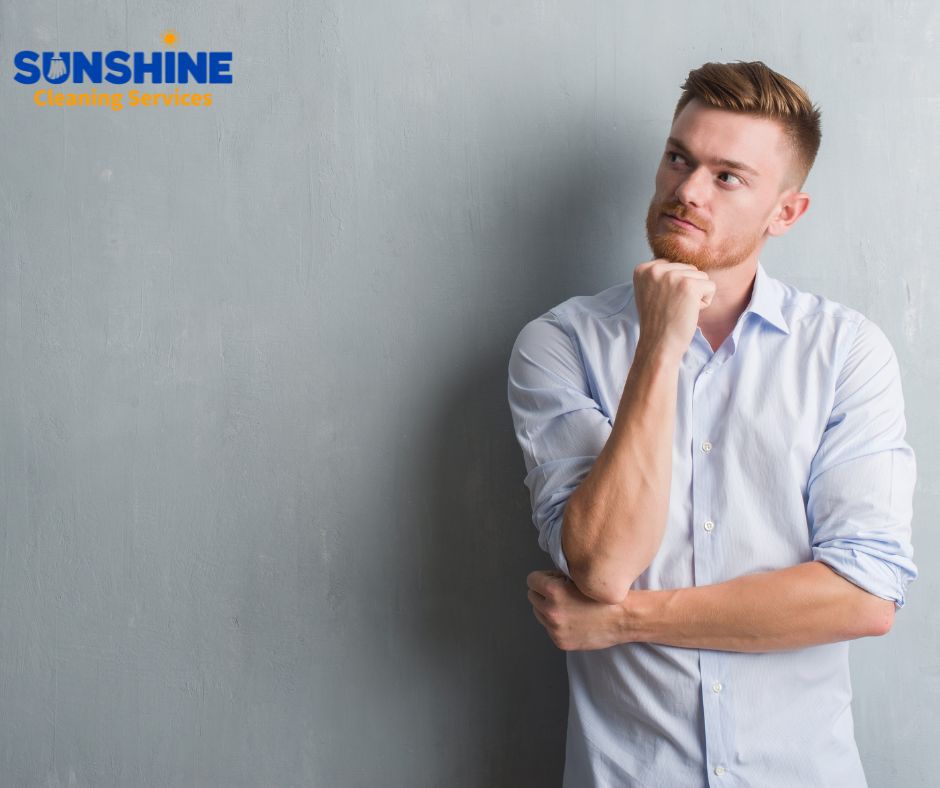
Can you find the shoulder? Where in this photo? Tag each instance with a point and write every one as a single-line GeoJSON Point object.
{"type": "Point", "coordinates": [856, 341]}
{"type": "Point", "coordinates": [576, 316]}
{"type": "Point", "coordinates": [607, 303]}
{"type": "Point", "coordinates": [803, 307]}
{"type": "Point", "coordinates": [557, 347]}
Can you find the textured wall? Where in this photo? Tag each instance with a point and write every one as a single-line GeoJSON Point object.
{"type": "Point", "coordinates": [262, 520]}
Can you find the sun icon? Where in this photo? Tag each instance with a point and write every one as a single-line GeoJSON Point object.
{"type": "Point", "coordinates": [169, 37]}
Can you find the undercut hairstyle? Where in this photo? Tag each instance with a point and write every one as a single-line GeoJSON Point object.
{"type": "Point", "coordinates": [755, 89]}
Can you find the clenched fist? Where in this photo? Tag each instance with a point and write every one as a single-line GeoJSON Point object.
{"type": "Point", "coordinates": [669, 297]}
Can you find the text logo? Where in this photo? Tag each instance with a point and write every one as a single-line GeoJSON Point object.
{"type": "Point", "coordinates": [117, 67]}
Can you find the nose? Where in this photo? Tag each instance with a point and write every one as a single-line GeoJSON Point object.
{"type": "Point", "coordinates": [693, 188]}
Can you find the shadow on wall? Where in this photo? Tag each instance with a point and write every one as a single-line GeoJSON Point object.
{"type": "Point", "coordinates": [463, 687]}
{"type": "Point", "coordinates": [476, 542]}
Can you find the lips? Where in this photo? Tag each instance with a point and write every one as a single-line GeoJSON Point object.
{"type": "Point", "coordinates": [684, 222]}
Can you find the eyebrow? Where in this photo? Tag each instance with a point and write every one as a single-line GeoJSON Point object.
{"type": "Point", "coordinates": [732, 165]}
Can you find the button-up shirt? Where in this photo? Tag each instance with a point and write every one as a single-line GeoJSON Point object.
{"type": "Point", "coordinates": [788, 447]}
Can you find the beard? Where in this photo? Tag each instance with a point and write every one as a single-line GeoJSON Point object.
{"type": "Point", "coordinates": [680, 246]}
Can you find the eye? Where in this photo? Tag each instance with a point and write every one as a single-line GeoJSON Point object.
{"type": "Point", "coordinates": [672, 153]}
{"type": "Point", "coordinates": [733, 176]}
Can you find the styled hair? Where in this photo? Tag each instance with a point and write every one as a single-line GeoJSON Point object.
{"type": "Point", "coordinates": [755, 89]}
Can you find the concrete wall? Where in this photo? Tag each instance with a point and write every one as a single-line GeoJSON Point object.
{"type": "Point", "coordinates": [262, 520]}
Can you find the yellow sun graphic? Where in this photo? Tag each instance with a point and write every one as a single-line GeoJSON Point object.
{"type": "Point", "coordinates": [169, 37]}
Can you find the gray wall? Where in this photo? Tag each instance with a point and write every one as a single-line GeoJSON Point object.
{"type": "Point", "coordinates": [263, 521]}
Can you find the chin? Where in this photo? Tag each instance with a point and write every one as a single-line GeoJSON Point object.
{"type": "Point", "coordinates": [673, 246]}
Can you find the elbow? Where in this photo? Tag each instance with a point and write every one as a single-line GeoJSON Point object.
{"type": "Point", "coordinates": [881, 618]}
{"type": "Point", "coordinates": [865, 613]}
{"type": "Point", "coordinates": [610, 596]}
{"type": "Point", "coordinates": [597, 586]}
{"type": "Point", "coordinates": [873, 615]}
{"type": "Point", "coordinates": [594, 577]}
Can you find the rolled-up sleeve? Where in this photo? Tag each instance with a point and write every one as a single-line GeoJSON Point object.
{"type": "Point", "coordinates": [861, 482]}
{"type": "Point", "coordinates": [557, 422]}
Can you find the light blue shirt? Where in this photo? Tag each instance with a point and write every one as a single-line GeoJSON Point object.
{"type": "Point", "coordinates": [789, 447]}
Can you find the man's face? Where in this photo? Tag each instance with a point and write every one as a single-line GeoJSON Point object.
{"type": "Point", "coordinates": [700, 179]}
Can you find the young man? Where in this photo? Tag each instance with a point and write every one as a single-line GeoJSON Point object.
{"type": "Point", "coordinates": [718, 469]}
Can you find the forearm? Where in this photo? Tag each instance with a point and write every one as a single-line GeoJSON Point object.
{"type": "Point", "coordinates": [614, 522]}
{"type": "Point", "coordinates": [790, 608]}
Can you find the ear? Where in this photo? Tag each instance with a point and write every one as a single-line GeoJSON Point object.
{"type": "Point", "coordinates": [792, 206]}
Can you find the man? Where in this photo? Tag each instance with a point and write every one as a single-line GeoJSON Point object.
{"type": "Point", "coordinates": [717, 467]}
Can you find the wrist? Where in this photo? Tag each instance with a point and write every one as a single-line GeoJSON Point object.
{"type": "Point", "coordinates": [639, 615]}
{"type": "Point", "coordinates": [659, 355]}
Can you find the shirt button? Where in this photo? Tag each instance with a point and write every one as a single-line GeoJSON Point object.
{"type": "Point", "coordinates": [709, 526]}
{"type": "Point", "coordinates": [706, 446]}
{"type": "Point", "coordinates": [708, 370]}
{"type": "Point", "coordinates": [716, 687]}
{"type": "Point", "coordinates": [719, 770]}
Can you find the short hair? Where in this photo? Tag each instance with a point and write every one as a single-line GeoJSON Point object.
{"type": "Point", "coordinates": [753, 88]}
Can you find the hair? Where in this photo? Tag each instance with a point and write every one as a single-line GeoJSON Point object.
{"type": "Point", "coordinates": [755, 89]}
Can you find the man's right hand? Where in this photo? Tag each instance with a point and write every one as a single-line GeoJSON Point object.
{"type": "Point", "coordinates": [669, 297]}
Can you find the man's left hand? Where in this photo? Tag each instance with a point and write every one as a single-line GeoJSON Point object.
{"type": "Point", "coordinates": [574, 622]}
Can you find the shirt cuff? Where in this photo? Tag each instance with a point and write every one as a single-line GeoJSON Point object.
{"type": "Point", "coordinates": [868, 572]}
{"type": "Point", "coordinates": [551, 543]}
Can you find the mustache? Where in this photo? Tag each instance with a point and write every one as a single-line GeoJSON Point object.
{"type": "Point", "coordinates": [679, 211]}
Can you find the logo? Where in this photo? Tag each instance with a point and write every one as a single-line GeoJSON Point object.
{"type": "Point", "coordinates": [117, 67]}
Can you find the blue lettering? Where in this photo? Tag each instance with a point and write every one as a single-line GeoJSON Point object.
{"type": "Point", "coordinates": [119, 67]}
{"type": "Point", "coordinates": [219, 63]}
{"type": "Point", "coordinates": [25, 62]}
{"type": "Point", "coordinates": [55, 68]}
{"type": "Point", "coordinates": [82, 66]}
{"type": "Point", "coordinates": [188, 66]}
{"type": "Point", "coordinates": [118, 70]}
{"type": "Point", "coordinates": [155, 67]}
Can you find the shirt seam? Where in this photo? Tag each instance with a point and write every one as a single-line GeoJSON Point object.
{"type": "Point", "coordinates": [576, 344]}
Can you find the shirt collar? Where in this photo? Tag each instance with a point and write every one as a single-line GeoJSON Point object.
{"type": "Point", "coordinates": [767, 298]}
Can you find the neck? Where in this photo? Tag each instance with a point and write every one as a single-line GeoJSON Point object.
{"type": "Point", "coordinates": [734, 287]}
